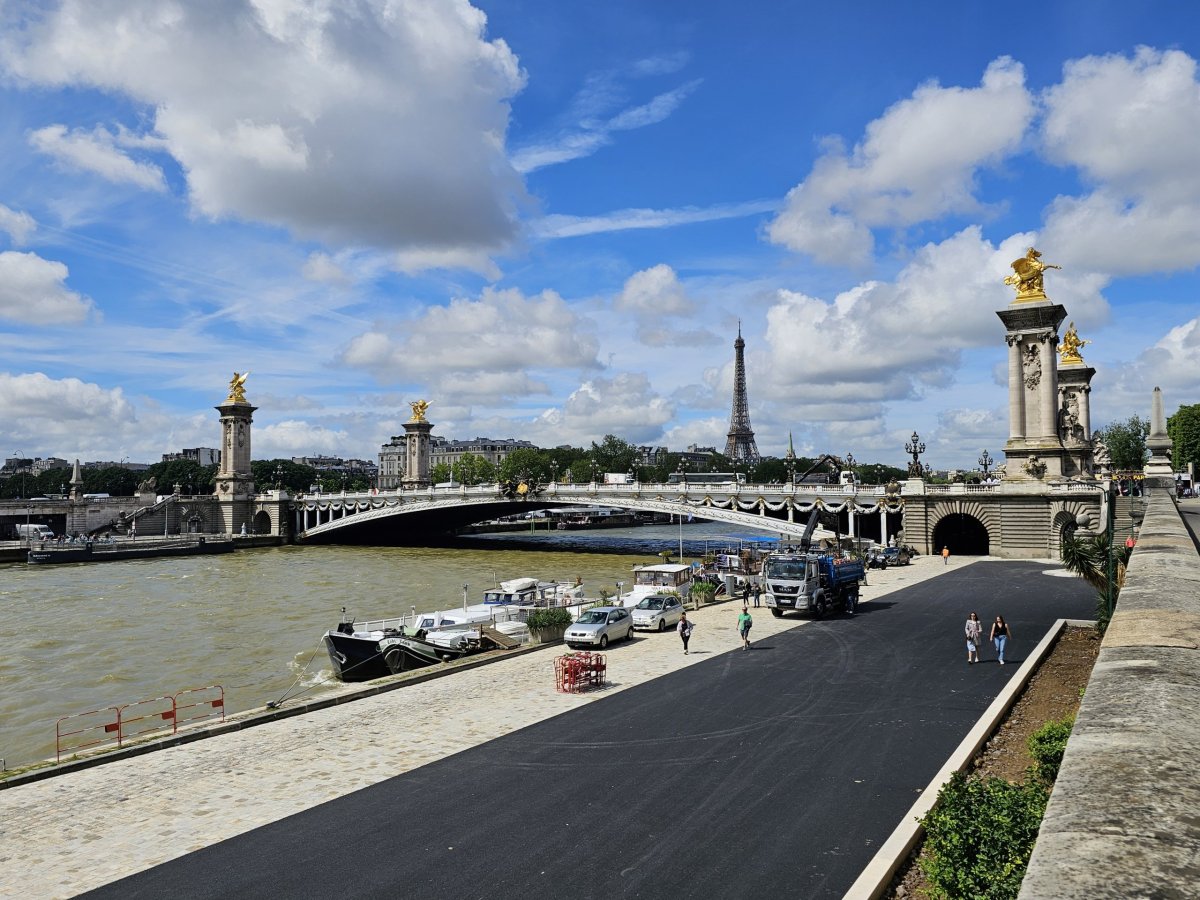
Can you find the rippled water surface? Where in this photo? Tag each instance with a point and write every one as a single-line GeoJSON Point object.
{"type": "Point", "coordinates": [81, 637]}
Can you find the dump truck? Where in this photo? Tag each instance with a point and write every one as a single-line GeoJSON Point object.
{"type": "Point", "coordinates": [809, 582]}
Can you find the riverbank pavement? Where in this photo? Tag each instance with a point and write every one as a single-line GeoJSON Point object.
{"type": "Point", "coordinates": [67, 834]}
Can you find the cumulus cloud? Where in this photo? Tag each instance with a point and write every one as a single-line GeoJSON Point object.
{"type": "Point", "coordinates": [1131, 126]}
{"type": "Point", "coordinates": [32, 291]}
{"type": "Point", "coordinates": [17, 225]}
{"type": "Point", "coordinates": [1170, 363]}
{"type": "Point", "coordinates": [35, 404]}
{"type": "Point", "coordinates": [625, 405]}
{"type": "Point", "coordinates": [368, 124]}
{"type": "Point", "coordinates": [96, 151]}
{"type": "Point", "coordinates": [917, 162]}
{"type": "Point", "coordinates": [654, 292]}
{"type": "Point", "coordinates": [896, 340]}
{"type": "Point", "coordinates": [295, 437]}
{"type": "Point", "coordinates": [324, 268]}
{"type": "Point", "coordinates": [502, 334]}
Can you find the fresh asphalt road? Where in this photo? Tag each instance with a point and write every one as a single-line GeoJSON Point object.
{"type": "Point", "coordinates": [771, 773]}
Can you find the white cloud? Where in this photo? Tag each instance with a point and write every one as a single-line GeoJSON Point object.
{"type": "Point", "coordinates": [32, 291]}
{"type": "Point", "coordinates": [917, 162]}
{"type": "Point", "coordinates": [17, 225]}
{"type": "Point", "coordinates": [294, 437]}
{"type": "Point", "coordinates": [501, 333]}
{"type": "Point", "coordinates": [1131, 125]}
{"type": "Point", "coordinates": [654, 292]}
{"type": "Point", "coordinates": [564, 226]}
{"type": "Point", "coordinates": [593, 120]}
{"type": "Point", "coordinates": [95, 151]}
{"type": "Point", "coordinates": [885, 341]}
{"type": "Point", "coordinates": [324, 268]}
{"type": "Point", "coordinates": [36, 406]}
{"type": "Point", "coordinates": [374, 124]}
{"type": "Point", "coordinates": [1171, 363]}
{"type": "Point", "coordinates": [625, 405]}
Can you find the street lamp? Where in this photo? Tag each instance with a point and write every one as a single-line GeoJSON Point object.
{"type": "Point", "coordinates": [986, 462]}
{"type": "Point", "coordinates": [850, 465]}
{"type": "Point", "coordinates": [279, 477]}
{"type": "Point", "coordinates": [916, 448]}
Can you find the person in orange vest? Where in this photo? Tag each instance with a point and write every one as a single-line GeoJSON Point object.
{"type": "Point", "coordinates": [945, 556]}
{"type": "Point", "coordinates": [1129, 542]}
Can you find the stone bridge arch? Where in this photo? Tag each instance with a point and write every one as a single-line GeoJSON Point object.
{"type": "Point", "coordinates": [967, 527]}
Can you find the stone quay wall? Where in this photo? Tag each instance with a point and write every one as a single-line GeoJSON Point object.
{"type": "Point", "coordinates": [1122, 821]}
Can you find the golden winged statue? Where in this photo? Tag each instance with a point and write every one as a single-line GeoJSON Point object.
{"type": "Point", "coordinates": [1071, 345]}
{"type": "Point", "coordinates": [1027, 276]}
{"type": "Point", "coordinates": [418, 408]}
{"type": "Point", "coordinates": [237, 387]}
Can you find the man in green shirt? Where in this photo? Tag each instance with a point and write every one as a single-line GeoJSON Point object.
{"type": "Point", "coordinates": [744, 622]}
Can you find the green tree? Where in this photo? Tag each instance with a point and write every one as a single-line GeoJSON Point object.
{"type": "Point", "coordinates": [1126, 442]}
{"type": "Point", "coordinates": [472, 468]}
{"type": "Point", "coordinates": [525, 462]}
{"type": "Point", "coordinates": [1184, 430]}
{"type": "Point", "coordinates": [294, 477]}
{"type": "Point", "coordinates": [440, 474]}
{"type": "Point", "coordinates": [115, 480]}
{"type": "Point", "coordinates": [613, 454]}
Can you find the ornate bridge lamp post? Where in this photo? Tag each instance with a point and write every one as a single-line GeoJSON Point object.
{"type": "Point", "coordinates": [985, 463]}
{"type": "Point", "coordinates": [682, 471]}
{"type": "Point", "coordinates": [850, 461]}
{"type": "Point", "coordinates": [554, 471]}
{"type": "Point", "coordinates": [279, 477]}
{"type": "Point", "coordinates": [916, 448]}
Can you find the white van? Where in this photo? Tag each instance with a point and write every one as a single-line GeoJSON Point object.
{"type": "Point", "coordinates": [35, 532]}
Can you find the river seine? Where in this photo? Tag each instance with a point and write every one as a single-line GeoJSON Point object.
{"type": "Point", "coordinates": [81, 637]}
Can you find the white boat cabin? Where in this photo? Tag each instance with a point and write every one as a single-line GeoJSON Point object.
{"type": "Point", "coordinates": [661, 578]}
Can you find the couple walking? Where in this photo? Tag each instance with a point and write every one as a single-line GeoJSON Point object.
{"type": "Point", "coordinates": [999, 637]}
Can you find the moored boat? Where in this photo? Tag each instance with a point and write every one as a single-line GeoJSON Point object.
{"type": "Point", "coordinates": [101, 551]}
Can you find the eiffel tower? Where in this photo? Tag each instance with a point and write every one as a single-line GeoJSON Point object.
{"type": "Point", "coordinates": [740, 446]}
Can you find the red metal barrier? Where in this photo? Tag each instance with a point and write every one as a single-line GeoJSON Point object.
{"type": "Point", "coordinates": [201, 703]}
{"type": "Point", "coordinates": [93, 727]}
{"type": "Point", "coordinates": [102, 726]}
{"type": "Point", "coordinates": [144, 716]}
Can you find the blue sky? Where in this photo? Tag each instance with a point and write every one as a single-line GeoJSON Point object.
{"type": "Point", "coordinates": [548, 218]}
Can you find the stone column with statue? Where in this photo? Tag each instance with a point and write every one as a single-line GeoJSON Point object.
{"type": "Point", "coordinates": [417, 449]}
{"type": "Point", "coordinates": [1035, 449]}
{"type": "Point", "coordinates": [234, 483]}
{"type": "Point", "coordinates": [1074, 407]}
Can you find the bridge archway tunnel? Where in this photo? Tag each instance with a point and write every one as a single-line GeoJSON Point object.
{"type": "Point", "coordinates": [262, 522]}
{"type": "Point", "coordinates": [964, 534]}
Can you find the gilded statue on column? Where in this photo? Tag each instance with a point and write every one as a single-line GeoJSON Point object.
{"type": "Point", "coordinates": [237, 388]}
{"type": "Point", "coordinates": [1071, 345]}
{"type": "Point", "coordinates": [1027, 276]}
{"type": "Point", "coordinates": [418, 410]}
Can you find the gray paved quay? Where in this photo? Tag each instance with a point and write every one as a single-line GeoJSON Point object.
{"type": "Point", "coordinates": [721, 773]}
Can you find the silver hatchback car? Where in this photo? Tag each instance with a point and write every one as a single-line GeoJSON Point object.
{"type": "Point", "coordinates": [658, 612]}
{"type": "Point", "coordinates": [599, 626]}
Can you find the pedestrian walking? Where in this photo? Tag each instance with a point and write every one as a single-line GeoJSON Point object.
{"type": "Point", "coordinates": [746, 592]}
{"type": "Point", "coordinates": [743, 623]}
{"type": "Point", "coordinates": [999, 636]}
{"type": "Point", "coordinates": [685, 631]}
{"type": "Point", "coordinates": [945, 556]}
{"type": "Point", "coordinates": [974, 631]}
{"type": "Point", "coordinates": [757, 593]}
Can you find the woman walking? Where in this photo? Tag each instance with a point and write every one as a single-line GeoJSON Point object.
{"type": "Point", "coordinates": [744, 622]}
{"type": "Point", "coordinates": [685, 631]}
{"type": "Point", "coordinates": [974, 631]}
{"type": "Point", "coordinates": [1000, 635]}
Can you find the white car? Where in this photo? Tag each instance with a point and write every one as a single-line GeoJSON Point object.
{"type": "Point", "coordinates": [658, 612]}
{"type": "Point", "coordinates": [598, 626]}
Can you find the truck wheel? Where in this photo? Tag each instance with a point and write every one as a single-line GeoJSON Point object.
{"type": "Point", "coordinates": [777, 613]}
{"type": "Point", "coordinates": [820, 607]}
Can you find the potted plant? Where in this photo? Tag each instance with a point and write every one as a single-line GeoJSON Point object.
{"type": "Point", "coordinates": [547, 626]}
{"type": "Point", "coordinates": [702, 592]}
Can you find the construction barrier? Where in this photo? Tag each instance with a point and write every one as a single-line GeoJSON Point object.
{"type": "Point", "coordinates": [575, 671]}
{"type": "Point", "coordinates": [95, 727]}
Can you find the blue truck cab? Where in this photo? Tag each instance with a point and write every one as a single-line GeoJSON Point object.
{"type": "Point", "coordinates": [814, 583]}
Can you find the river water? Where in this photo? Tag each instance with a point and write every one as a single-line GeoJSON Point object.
{"type": "Point", "coordinates": [81, 637]}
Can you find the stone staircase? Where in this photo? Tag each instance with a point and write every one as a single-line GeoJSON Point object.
{"type": "Point", "coordinates": [1128, 515]}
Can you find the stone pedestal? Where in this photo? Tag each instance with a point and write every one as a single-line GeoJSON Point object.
{"type": "Point", "coordinates": [1159, 470]}
{"type": "Point", "coordinates": [234, 483]}
{"type": "Point", "coordinates": [1034, 450]}
{"type": "Point", "coordinates": [416, 454]}
{"type": "Point", "coordinates": [1075, 419]}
